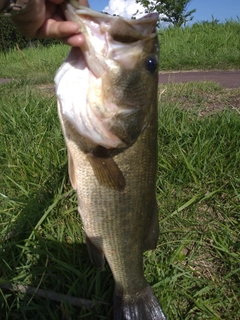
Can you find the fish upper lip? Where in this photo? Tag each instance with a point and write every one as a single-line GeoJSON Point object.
{"type": "Point", "coordinates": [86, 10]}
{"type": "Point", "coordinates": [83, 9]}
{"type": "Point", "coordinates": [150, 18]}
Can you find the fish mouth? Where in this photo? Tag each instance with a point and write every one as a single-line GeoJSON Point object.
{"type": "Point", "coordinates": [93, 85]}
{"type": "Point", "coordinates": [107, 37]}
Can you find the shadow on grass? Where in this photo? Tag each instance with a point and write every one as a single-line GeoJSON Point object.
{"type": "Point", "coordinates": [44, 249]}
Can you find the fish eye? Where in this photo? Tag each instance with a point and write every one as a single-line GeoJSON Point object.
{"type": "Point", "coordinates": [151, 64]}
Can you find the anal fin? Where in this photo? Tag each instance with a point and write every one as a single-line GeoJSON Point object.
{"type": "Point", "coordinates": [106, 170]}
{"type": "Point", "coordinates": [151, 240]}
{"type": "Point", "coordinates": [96, 255]}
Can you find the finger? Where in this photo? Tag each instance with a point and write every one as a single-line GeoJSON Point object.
{"type": "Point", "coordinates": [57, 29]}
{"type": "Point", "coordinates": [82, 2]}
{"type": "Point", "coordinates": [74, 40]}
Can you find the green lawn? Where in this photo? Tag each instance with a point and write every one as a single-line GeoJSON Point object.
{"type": "Point", "coordinates": [202, 46]}
{"type": "Point", "coordinates": [195, 269]}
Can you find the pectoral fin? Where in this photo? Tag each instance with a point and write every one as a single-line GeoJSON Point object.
{"type": "Point", "coordinates": [106, 170]}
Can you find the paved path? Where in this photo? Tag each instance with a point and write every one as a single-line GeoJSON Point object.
{"type": "Point", "coordinates": [228, 79]}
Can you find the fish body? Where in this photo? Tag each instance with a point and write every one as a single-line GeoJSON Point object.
{"type": "Point", "coordinates": [107, 105]}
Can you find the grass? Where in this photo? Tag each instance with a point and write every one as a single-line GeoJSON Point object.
{"type": "Point", "coordinates": [198, 194]}
{"type": "Point", "coordinates": [201, 46]}
{"type": "Point", "coordinates": [40, 61]}
{"type": "Point", "coordinates": [195, 269]}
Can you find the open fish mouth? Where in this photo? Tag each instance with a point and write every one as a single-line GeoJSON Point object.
{"type": "Point", "coordinates": [109, 38]}
{"type": "Point", "coordinates": [96, 83]}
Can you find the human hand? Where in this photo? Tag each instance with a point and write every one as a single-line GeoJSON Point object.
{"type": "Point", "coordinates": [45, 19]}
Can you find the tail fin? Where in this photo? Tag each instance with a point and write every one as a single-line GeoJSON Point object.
{"type": "Point", "coordinates": [142, 306]}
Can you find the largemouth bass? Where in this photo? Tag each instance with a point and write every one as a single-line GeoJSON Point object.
{"type": "Point", "coordinates": [107, 105]}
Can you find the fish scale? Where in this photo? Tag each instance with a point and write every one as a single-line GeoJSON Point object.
{"type": "Point", "coordinates": [115, 181]}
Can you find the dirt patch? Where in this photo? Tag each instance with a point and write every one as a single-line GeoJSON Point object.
{"type": "Point", "coordinates": [2, 81]}
{"type": "Point", "coordinates": [201, 101]}
{"type": "Point", "coordinates": [206, 98]}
